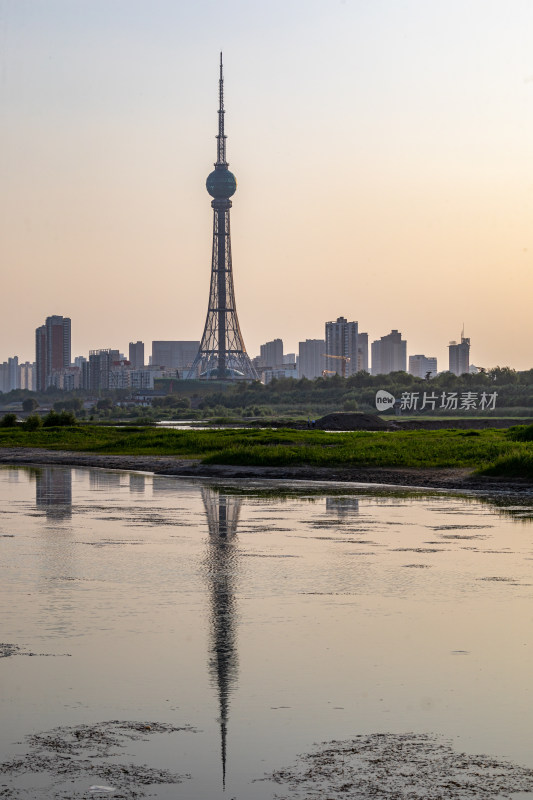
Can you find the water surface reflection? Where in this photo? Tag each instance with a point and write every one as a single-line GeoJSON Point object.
{"type": "Point", "coordinates": [53, 491]}
{"type": "Point", "coordinates": [267, 619]}
{"type": "Point", "coordinates": [221, 565]}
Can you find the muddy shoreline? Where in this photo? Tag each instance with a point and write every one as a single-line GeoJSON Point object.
{"type": "Point", "coordinates": [451, 479]}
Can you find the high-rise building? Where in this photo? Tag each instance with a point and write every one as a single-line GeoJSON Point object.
{"type": "Point", "coordinates": [136, 355]}
{"type": "Point", "coordinates": [26, 375]}
{"type": "Point", "coordinates": [362, 352]}
{"type": "Point", "coordinates": [40, 359]}
{"type": "Point", "coordinates": [422, 366]}
{"type": "Point", "coordinates": [52, 350]}
{"type": "Point", "coordinates": [4, 377]}
{"type": "Point", "coordinates": [389, 354]}
{"type": "Point", "coordinates": [222, 354]}
{"type": "Point", "coordinates": [311, 361]}
{"type": "Point", "coordinates": [271, 354]}
{"type": "Point", "coordinates": [459, 356]}
{"type": "Point", "coordinates": [341, 347]}
{"type": "Point", "coordinates": [13, 374]}
{"type": "Point", "coordinates": [98, 374]}
{"type": "Point", "coordinates": [174, 355]}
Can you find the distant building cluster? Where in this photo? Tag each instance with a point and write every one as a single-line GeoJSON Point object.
{"type": "Point", "coordinates": [344, 351]}
{"type": "Point", "coordinates": [101, 369]}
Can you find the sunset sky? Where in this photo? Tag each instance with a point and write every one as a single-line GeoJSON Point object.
{"type": "Point", "coordinates": [383, 151]}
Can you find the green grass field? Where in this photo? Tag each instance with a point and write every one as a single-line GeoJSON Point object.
{"type": "Point", "coordinates": [494, 452]}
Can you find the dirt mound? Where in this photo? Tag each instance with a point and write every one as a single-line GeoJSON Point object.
{"type": "Point", "coordinates": [351, 421]}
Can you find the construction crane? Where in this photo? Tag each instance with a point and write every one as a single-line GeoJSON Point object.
{"type": "Point", "coordinates": [344, 359]}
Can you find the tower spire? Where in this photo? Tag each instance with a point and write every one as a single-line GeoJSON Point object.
{"type": "Point", "coordinates": [221, 138]}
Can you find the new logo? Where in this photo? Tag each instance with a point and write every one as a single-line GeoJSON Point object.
{"type": "Point", "coordinates": [384, 400]}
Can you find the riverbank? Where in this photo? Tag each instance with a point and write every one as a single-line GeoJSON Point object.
{"type": "Point", "coordinates": [460, 479]}
{"type": "Point", "coordinates": [412, 458]}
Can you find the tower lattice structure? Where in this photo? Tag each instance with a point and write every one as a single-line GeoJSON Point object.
{"type": "Point", "coordinates": [222, 354]}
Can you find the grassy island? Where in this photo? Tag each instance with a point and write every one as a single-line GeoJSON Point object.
{"type": "Point", "coordinates": [489, 452]}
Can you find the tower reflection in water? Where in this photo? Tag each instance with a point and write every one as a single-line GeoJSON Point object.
{"type": "Point", "coordinates": [221, 564]}
{"type": "Point", "coordinates": [342, 506]}
{"type": "Point", "coordinates": [53, 491]}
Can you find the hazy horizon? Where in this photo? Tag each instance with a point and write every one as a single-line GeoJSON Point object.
{"type": "Point", "coordinates": [382, 153]}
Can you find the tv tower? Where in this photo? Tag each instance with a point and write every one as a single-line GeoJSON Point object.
{"type": "Point", "coordinates": [222, 354]}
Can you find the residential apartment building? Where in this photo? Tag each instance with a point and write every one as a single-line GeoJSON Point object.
{"type": "Point", "coordinates": [26, 372]}
{"type": "Point", "coordinates": [66, 379]}
{"type": "Point", "coordinates": [422, 366]}
{"type": "Point", "coordinates": [271, 354]}
{"type": "Point", "coordinates": [10, 375]}
{"type": "Point", "coordinates": [174, 354]}
{"type": "Point", "coordinates": [389, 354]}
{"type": "Point", "coordinates": [342, 344]}
{"type": "Point", "coordinates": [459, 356]}
{"type": "Point", "coordinates": [97, 371]}
{"type": "Point", "coordinates": [136, 354]}
{"type": "Point", "coordinates": [311, 360]}
{"type": "Point", "coordinates": [52, 350]}
{"type": "Point", "coordinates": [283, 371]}
{"type": "Point", "coordinates": [362, 352]}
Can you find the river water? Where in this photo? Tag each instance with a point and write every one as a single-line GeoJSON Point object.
{"type": "Point", "coordinates": [260, 621]}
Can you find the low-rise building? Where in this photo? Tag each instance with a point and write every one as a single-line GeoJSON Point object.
{"type": "Point", "coordinates": [422, 366]}
{"type": "Point", "coordinates": [283, 371]}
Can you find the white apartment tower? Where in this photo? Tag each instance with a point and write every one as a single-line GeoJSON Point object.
{"type": "Point", "coordinates": [311, 361]}
{"type": "Point", "coordinates": [389, 354]}
{"type": "Point", "coordinates": [271, 353]}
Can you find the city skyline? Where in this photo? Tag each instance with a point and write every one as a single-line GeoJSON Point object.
{"type": "Point", "coordinates": [344, 351]}
{"type": "Point", "coordinates": [386, 151]}
{"type": "Point", "coordinates": [158, 345]}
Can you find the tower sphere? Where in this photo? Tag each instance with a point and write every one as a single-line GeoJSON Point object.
{"type": "Point", "coordinates": [221, 184]}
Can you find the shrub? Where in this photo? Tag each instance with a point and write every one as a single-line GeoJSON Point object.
{"type": "Point", "coordinates": [105, 404]}
{"type": "Point", "coordinates": [8, 421]}
{"type": "Point", "coordinates": [32, 423]}
{"type": "Point", "coordinates": [75, 404]}
{"type": "Point", "coordinates": [53, 419]}
{"type": "Point", "coordinates": [350, 404]}
{"type": "Point", "coordinates": [521, 433]}
{"type": "Point", "coordinates": [513, 465]}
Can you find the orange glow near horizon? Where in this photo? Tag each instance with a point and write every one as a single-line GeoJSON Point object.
{"type": "Point", "coordinates": [383, 163]}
